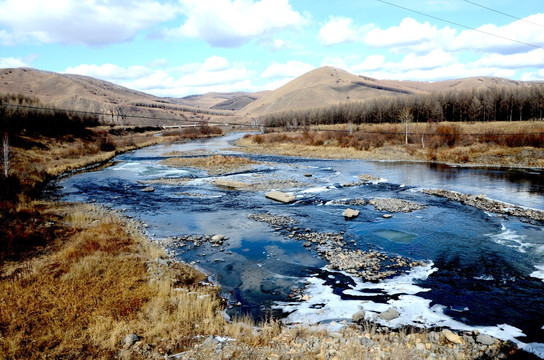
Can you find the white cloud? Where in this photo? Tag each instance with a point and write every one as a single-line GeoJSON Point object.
{"type": "Point", "coordinates": [94, 23]}
{"type": "Point", "coordinates": [410, 36]}
{"type": "Point", "coordinates": [290, 69]}
{"type": "Point", "coordinates": [533, 58]}
{"type": "Point", "coordinates": [12, 63]}
{"type": "Point", "coordinates": [213, 74]}
{"type": "Point", "coordinates": [371, 62]}
{"type": "Point", "coordinates": [533, 76]}
{"type": "Point", "coordinates": [109, 72]}
{"type": "Point", "coordinates": [216, 63]}
{"type": "Point", "coordinates": [231, 23]}
{"type": "Point", "coordinates": [520, 31]}
{"type": "Point", "coordinates": [338, 30]}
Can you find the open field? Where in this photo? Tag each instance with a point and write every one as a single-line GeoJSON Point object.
{"type": "Point", "coordinates": [510, 144]}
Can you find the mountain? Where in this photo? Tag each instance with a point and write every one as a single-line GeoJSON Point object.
{"type": "Point", "coordinates": [222, 101]}
{"type": "Point", "coordinates": [321, 87]}
{"type": "Point", "coordinates": [115, 103]}
{"type": "Point", "coordinates": [317, 88]}
{"type": "Point", "coordinates": [329, 86]}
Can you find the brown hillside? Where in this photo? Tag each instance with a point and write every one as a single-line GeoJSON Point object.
{"type": "Point", "coordinates": [83, 93]}
{"type": "Point", "coordinates": [321, 87]}
{"type": "Point", "coordinates": [329, 86]}
{"type": "Point", "coordinates": [221, 101]}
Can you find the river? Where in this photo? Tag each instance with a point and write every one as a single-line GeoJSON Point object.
{"type": "Point", "coordinates": [484, 271]}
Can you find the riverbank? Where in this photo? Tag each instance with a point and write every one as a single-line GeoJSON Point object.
{"type": "Point", "coordinates": [94, 286]}
{"type": "Point", "coordinates": [496, 144]}
{"type": "Point", "coordinates": [98, 287]}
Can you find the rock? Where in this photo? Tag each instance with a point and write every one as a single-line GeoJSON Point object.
{"type": "Point", "coordinates": [148, 189]}
{"type": "Point", "coordinates": [281, 197]}
{"type": "Point", "coordinates": [395, 205]}
{"type": "Point", "coordinates": [452, 337]}
{"type": "Point", "coordinates": [485, 339]}
{"type": "Point", "coordinates": [350, 213]}
{"type": "Point", "coordinates": [387, 216]}
{"type": "Point", "coordinates": [218, 238]}
{"type": "Point", "coordinates": [367, 342]}
{"type": "Point", "coordinates": [434, 337]}
{"type": "Point", "coordinates": [368, 178]}
{"type": "Point", "coordinates": [358, 316]}
{"type": "Point", "coordinates": [389, 314]}
{"type": "Point", "coordinates": [130, 339]}
{"type": "Point", "coordinates": [231, 184]}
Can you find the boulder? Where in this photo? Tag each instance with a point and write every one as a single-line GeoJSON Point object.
{"type": "Point", "coordinates": [485, 339]}
{"type": "Point", "coordinates": [281, 197]}
{"type": "Point", "coordinates": [452, 337]}
{"type": "Point", "coordinates": [231, 184]}
{"type": "Point", "coordinates": [218, 238]}
{"type": "Point", "coordinates": [350, 213]}
{"type": "Point", "coordinates": [368, 178]}
{"type": "Point", "coordinates": [389, 314]}
{"type": "Point", "coordinates": [358, 317]}
{"type": "Point", "coordinates": [130, 339]}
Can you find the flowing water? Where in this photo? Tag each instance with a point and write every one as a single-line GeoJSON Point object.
{"type": "Point", "coordinates": [485, 271]}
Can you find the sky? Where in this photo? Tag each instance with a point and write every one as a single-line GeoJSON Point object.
{"type": "Point", "coordinates": [177, 48]}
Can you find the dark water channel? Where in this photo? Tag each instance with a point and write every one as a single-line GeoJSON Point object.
{"type": "Point", "coordinates": [485, 271]}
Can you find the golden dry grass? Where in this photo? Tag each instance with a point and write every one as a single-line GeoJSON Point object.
{"type": "Point", "coordinates": [101, 283]}
{"type": "Point", "coordinates": [487, 144]}
{"type": "Point", "coordinates": [216, 164]}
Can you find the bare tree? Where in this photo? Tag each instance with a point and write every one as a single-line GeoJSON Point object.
{"type": "Point", "coordinates": [5, 145]}
{"type": "Point", "coordinates": [406, 117]}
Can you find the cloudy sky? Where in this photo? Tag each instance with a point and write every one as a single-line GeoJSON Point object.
{"type": "Point", "coordinates": [184, 47]}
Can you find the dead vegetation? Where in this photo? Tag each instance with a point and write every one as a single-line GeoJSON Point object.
{"type": "Point", "coordinates": [80, 296]}
{"type": "Point", "coordinates": [215, 164]}
{"type": "Point", "coordinates": [517, 144]}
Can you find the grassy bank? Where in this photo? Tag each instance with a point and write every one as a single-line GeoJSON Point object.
{"type": "Point", "coordinates": [509, 144]}
{"type": "Point", "coordinates": [78, 281]}
{"type": "Point", "coordinates": [34, 158]}
{"type": "Point", "coordinates": [97, 288]}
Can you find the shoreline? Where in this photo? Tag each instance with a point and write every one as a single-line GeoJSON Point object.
{"type": "Point", "coordinates": [366, 336]}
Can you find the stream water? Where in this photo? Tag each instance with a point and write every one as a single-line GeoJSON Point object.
{"type": "Point", "coordinates": [484, 271]}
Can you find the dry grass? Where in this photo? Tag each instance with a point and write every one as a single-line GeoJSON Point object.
{"type": "Point", "coordinates": [514, 144]}
{"type": "Point", "coordinates": [216, 164]}
{"type": "Point", "coordinates": [101, 283]}
{"type": "Point", "coordinates": [34, 160]}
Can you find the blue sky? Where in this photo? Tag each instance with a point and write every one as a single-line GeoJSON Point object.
{"type": "Point", "coordinates": [183, 47]}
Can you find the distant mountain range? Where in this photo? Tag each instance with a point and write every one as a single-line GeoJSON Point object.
{"type": "Point", "coordinates": [317, 88]}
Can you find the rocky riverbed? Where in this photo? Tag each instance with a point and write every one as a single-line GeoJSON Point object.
{"type": "Point", "coordinates": [483, 203]}
{"type": "Point", "coordinates": [357, 341]}
{"type": "Point", "coordinates": [340, 250]}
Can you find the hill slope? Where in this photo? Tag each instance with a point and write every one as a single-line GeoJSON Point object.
{"type": "Point", "coordinates": [329, 86]}
{"type": "Point", "coordinates": [323, 86]}
{"type": "Point", "coordinates": [116, 103]}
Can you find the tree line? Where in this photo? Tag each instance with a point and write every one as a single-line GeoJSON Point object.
{"type": "Point", "coordinates": [20, 113]}
{"type": "Point", "coordinates": [524, 102]}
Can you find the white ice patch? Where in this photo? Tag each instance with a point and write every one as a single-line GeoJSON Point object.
{"type": "Point", "coordinates": [535, 348]}
{"type": "Point", "coordinates": [317, 190]}
{"type": "Point", "coordinates": [539, 274]}
{"type": "Point", "coordinates": [151, 170]}
{"type": "Point", "coordinates": [484, 277]}
{"type": "Point", "coordinates": [325, 307]}
{"type": "Point", "coordinates": [510, 238]}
